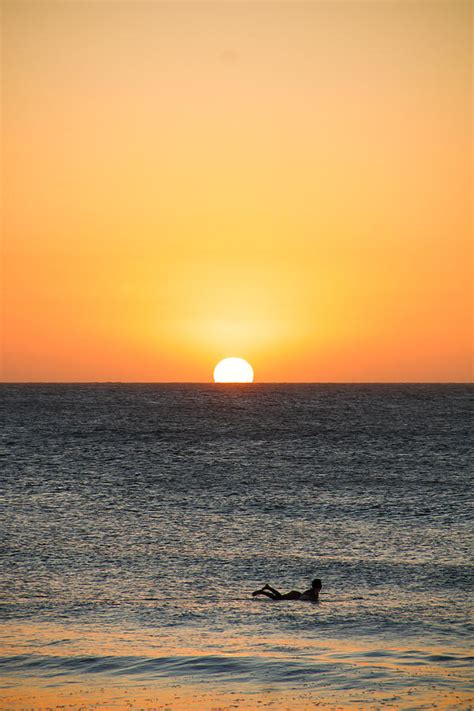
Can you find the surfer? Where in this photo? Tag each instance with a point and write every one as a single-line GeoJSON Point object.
{"type": "Point", "coordinates": [312, 595]}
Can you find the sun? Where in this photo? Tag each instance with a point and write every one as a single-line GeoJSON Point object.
{"type": "Point", "coordinates": [233, 370]}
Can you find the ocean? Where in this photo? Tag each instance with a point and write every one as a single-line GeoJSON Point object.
{"type": "Point", "coordinates": [136, 520]}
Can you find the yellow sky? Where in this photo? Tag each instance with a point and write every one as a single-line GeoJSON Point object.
{"type": "Point", "coordinates": [287, 182]}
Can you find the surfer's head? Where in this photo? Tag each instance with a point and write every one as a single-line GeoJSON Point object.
{"type": "Point", "coordinates": [316, 584]}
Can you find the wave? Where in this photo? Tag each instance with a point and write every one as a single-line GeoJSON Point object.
{"type": "Point", "coordinates": [340, 669]}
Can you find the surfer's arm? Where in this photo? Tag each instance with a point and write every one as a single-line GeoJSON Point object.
{"type": "Point", "coordinates": [309, 595]}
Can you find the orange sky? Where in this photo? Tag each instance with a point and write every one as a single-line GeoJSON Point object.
{"type": "Point", "coordinates": [287, 182]}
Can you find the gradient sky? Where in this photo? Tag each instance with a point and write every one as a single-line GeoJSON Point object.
{"type": "Point", "coordinates": [287, 182]}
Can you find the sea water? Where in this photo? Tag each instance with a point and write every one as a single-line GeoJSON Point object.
{"type": "Point", "coordinates": [137, 520]}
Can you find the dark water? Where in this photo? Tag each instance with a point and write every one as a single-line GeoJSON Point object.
{"type": "Point", "coordinates": [136, 520]}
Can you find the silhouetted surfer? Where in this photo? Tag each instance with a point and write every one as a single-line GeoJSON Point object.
{"type": "Point", "coordinates": [312, 595]}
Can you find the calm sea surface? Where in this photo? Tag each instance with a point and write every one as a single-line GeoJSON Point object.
{"type": "Point", "coordinates": [137, 519]}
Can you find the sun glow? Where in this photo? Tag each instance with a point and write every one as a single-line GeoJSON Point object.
{"type": "Point", "coordinates": [222, 232]}
{"type": "Point", "coordinates": [233, 370]}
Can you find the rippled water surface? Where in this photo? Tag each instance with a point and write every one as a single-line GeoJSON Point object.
{"type": "Point", "coordinates": [137, 519]}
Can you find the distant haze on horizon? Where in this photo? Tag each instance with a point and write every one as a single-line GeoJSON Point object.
{"type": "Point", "coordinates": [289, 182]}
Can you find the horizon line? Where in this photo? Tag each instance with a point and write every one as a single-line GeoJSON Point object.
{"type": "Point", "coordinates": [262, 382]}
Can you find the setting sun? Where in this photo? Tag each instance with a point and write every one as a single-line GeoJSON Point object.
{"type": "Point", "coordinates": [233, 370]}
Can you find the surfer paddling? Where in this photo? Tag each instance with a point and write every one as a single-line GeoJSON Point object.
{"type": "Point", "coordinates": [311, 595]}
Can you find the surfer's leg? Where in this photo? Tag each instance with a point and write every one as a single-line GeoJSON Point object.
{"type": "Point", "coordinates": [266, 593]}
{"type": "Point", "coordinates": [274, 592]}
